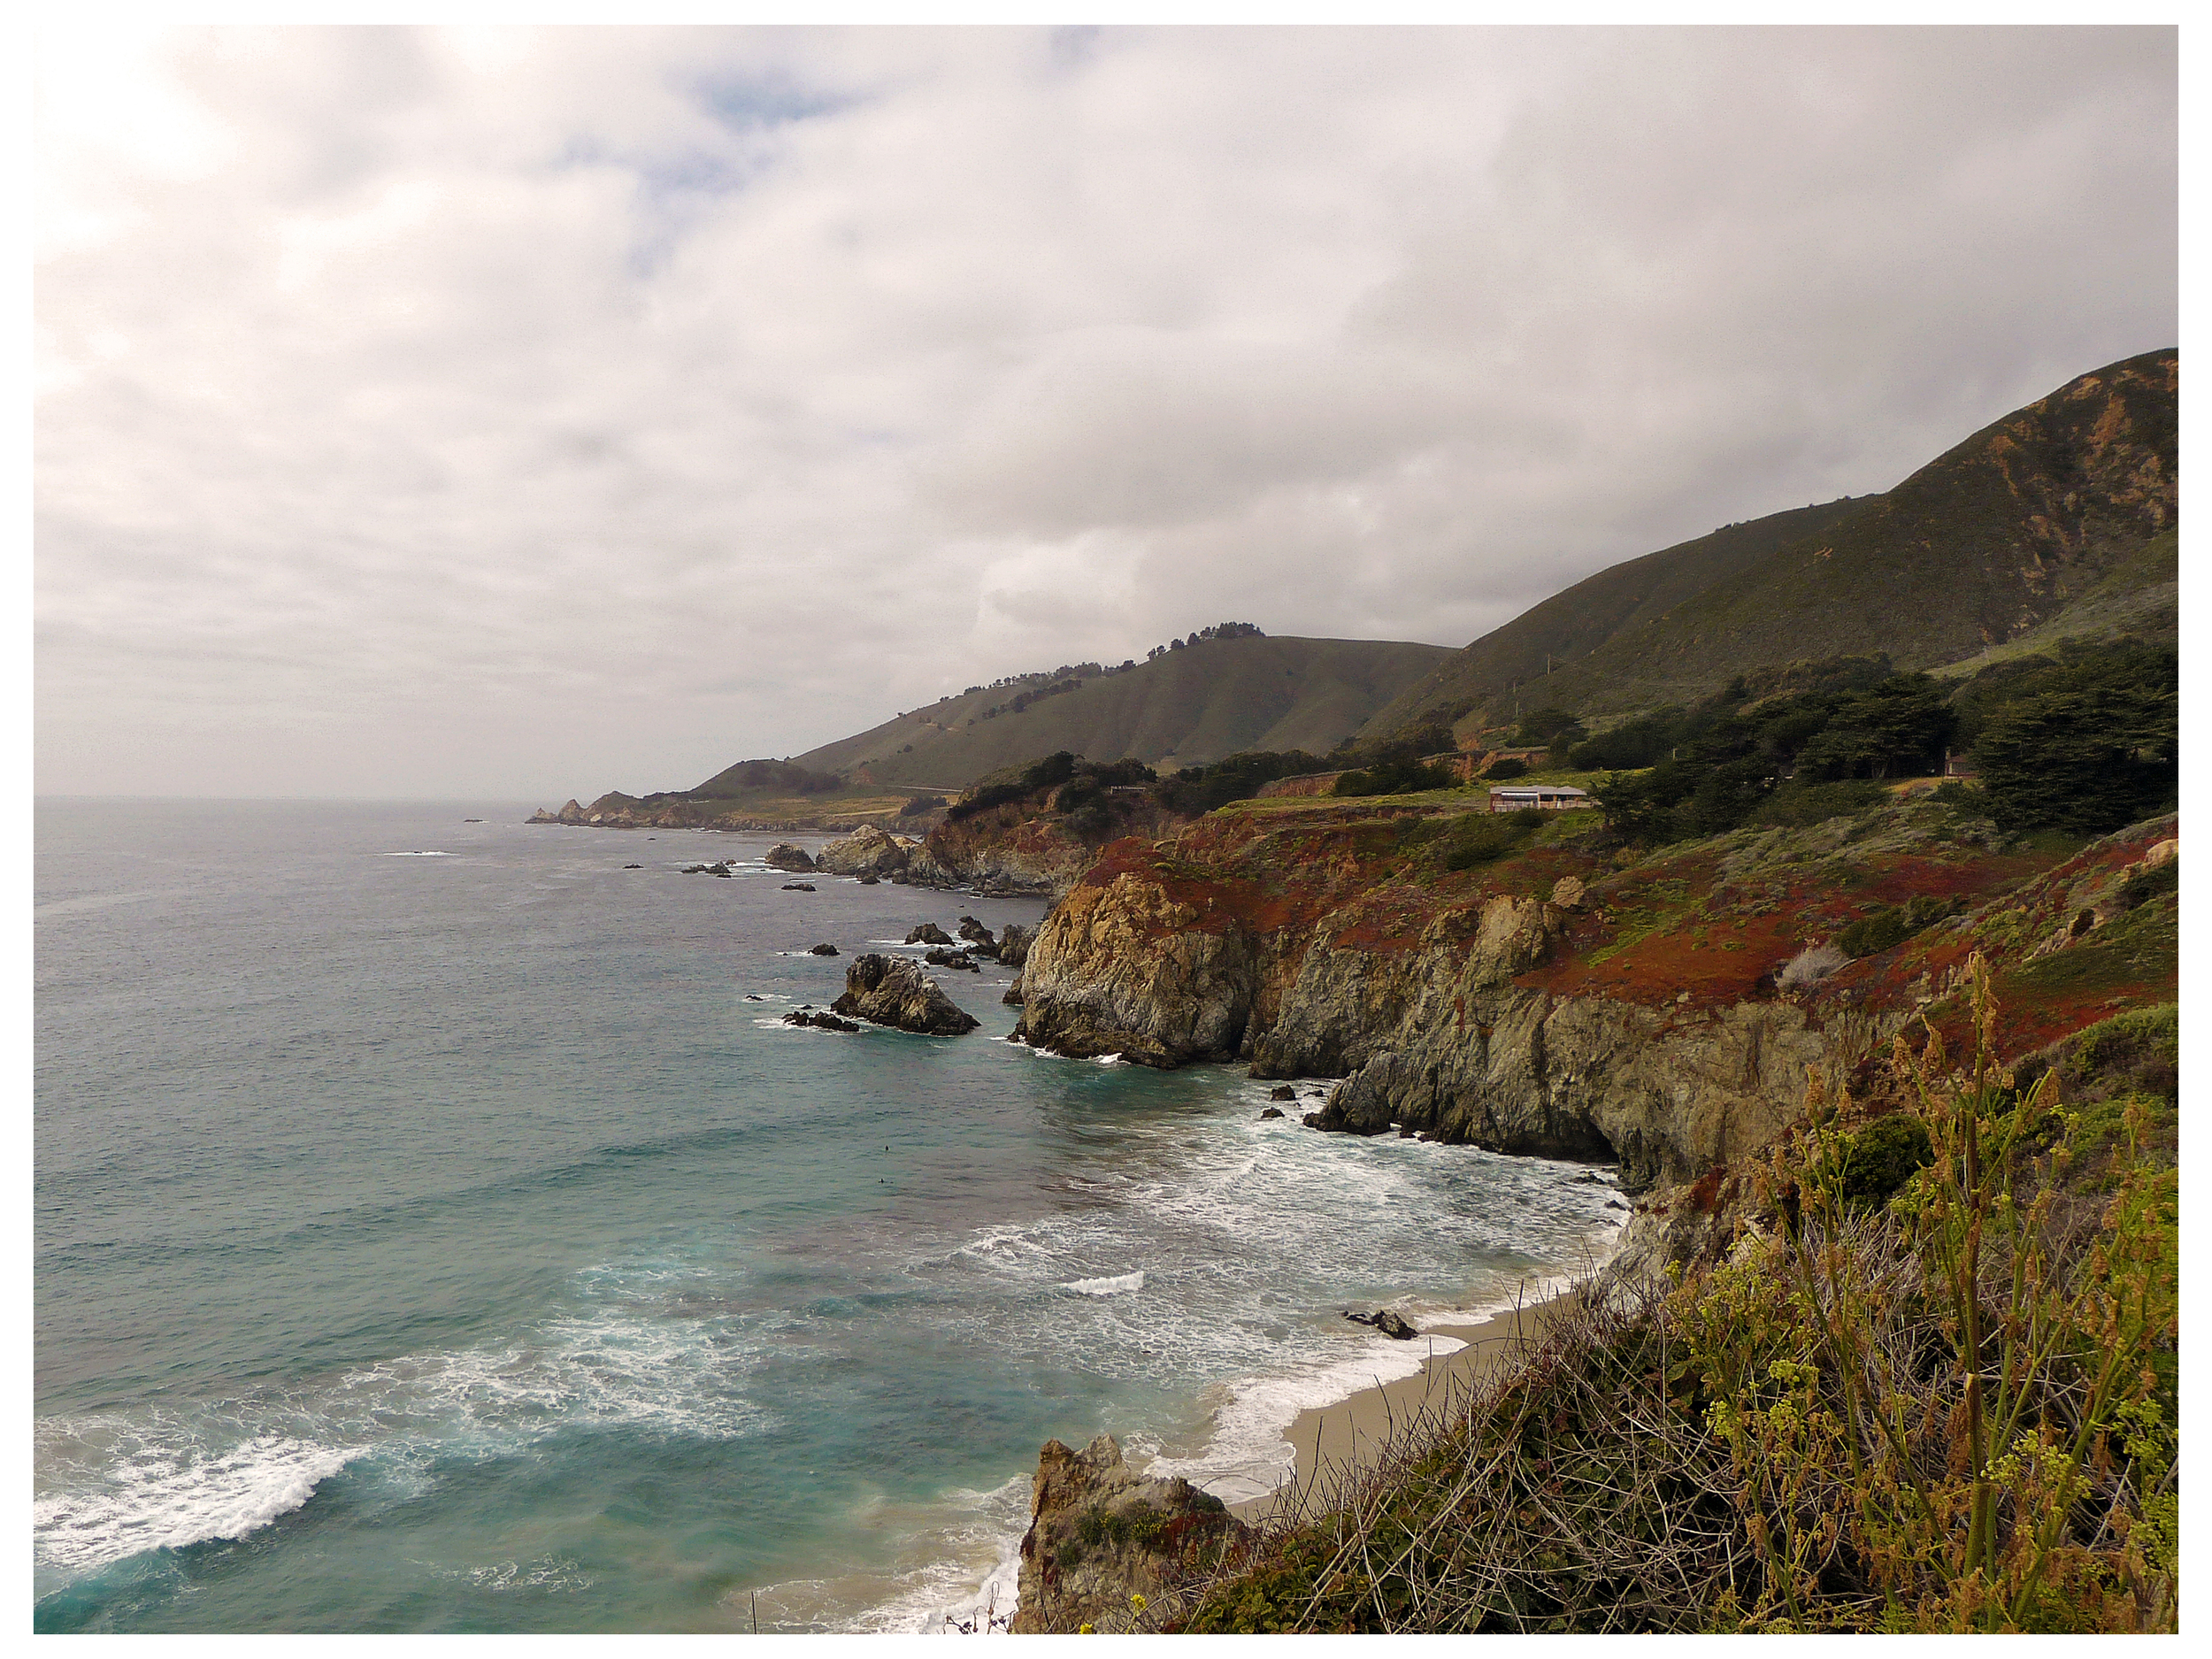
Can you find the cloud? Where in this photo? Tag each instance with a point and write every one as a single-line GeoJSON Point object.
{"type": "Point", "coordinates": [534, 412]}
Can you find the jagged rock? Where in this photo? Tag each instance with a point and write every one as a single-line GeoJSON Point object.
{"type": "Point", "coordinates": [1566, 892]}
{"type": "Point", "coordinates": [826, 1021]}
{"type": "Point", "coordinates": [893, 991]}
{"type": "Point", "coordinates": [929, 934]}
{"type": "Point", "coordinates": [1273, 1111]}
{"type": "Point", "coordinates": [1099, 1534]}
{"type": "Point", "coordinates": [979, 935]}
{"type": "Point", "coordinates": [783, 855]}
{"type": "Point", "coordinates": [1282, 1092]}
{"type": "Point", "coordinates": [871, 881]}
{"type": "Point", "coordinates": [959, 959]}
{"type": "Point", "coordinates": [925, 869]}
{"type": "Point", "coordinates": [1386, 1322]}
{"type": "Point", "coordinates": [1013, 997]}
{"type": "Point", "coordinates": [1126, 969]}
{"type": "Point", "coordinates": [707, 870]}
{"type": "Point", "coordinates": [633, 866]}
{"type": "Point", "coordinates": [867, 851]}
{"type": "Point", "coordinates": [822, 950]}
{"type": "Point", "coordinates": [1013, 944]}
{"type": "Point", "coordinates": [798, 886]}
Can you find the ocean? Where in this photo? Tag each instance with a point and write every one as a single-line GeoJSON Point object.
{"type": "Point", "coordinates": [437, 1230]}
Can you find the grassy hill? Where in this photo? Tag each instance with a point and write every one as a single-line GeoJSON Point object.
{"type": "Point", "coordinates": [1983, 546]}
{"type": "Point", "coordinates": [1577, 620]}
{"type": "Point", "coordinates": [1212, 699]}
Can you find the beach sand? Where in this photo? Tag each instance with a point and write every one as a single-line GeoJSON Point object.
{"type": "Point", "coordinates": [1352, 1434]}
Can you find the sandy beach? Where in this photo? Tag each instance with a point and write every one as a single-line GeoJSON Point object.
{"type": "Point", "coordinates": [1351, 1434]}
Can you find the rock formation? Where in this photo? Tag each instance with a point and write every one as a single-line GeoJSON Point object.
{"type": "Point", "coordinates": [1626, 1016]}
{"type": "Point", "coordinates": [893, 991]}
{"type": "Point", "coordinates": [783, 855]}
{"type": "Point", "coordinates": [826, 1022]}
{"type": "Point", "coordinates": [1099, 1535]}
{"type": "Point", "coordinates": [867, 851]}
{"type": "Point", "coordinates": [928, 934]}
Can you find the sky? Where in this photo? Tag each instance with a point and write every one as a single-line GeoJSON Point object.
{"type": "Point", "coordinates": [518, 414]}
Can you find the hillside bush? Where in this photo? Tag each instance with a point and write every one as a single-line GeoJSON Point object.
{"type": "Point", "coordinates": [1810, 966]}
{"type": "Point", "coordinates": [1505, 771]}
{"type": "Point", "coordinates": [1394, 777]}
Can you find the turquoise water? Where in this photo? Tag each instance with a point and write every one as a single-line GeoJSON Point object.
{"type": "Point", "coordinates": [436, 1230]}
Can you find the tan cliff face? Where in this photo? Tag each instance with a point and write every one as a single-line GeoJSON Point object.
{"type": "Point", "coordinates": [1549, 1003]}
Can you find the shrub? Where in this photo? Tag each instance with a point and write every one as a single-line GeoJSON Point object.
{"type": "Point", "coordinates": [1501, 770]}
{"type": "Point", "coordinates": [2145, 885]}
{"type": "Point", "coordinates": [1874, 933]}
{"type": "Point", "coordinates": [1810, 966]}
{"type": "Point", "coordinates": [1394, 777]}
{"type": "Point", "coordinates": [1882, 1157]}
{"type": "Point", "coordinates": [1796, 805]}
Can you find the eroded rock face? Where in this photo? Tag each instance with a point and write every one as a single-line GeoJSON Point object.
{"type": "Point", "coordinates": [1100, 1534]}
{"type": "Point", "coordinates": [1013, 943]}
{"type": "Point", "coordinates": [1127, 969]}
{"type": "Point", "coordinates": [893, 991]}
{"type": "Point", "coordinates": [1433, 1037]}
{"type": "Point", "coordinates": [783, 855]}
{"type": "Point", "coordinates": [1030, 857]}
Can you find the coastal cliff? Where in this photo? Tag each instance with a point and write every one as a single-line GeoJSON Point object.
{"type": "Point", "coordinates": [1549, 1001]}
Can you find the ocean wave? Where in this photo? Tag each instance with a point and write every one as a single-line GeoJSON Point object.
{"type": "Point", "coordinates": [419, 853]}
{"type": "Point", "coordinates": [155, 1496]}
{"type": "Point", "coordinates": [1248, 1455]}
{"type": "Point", "coordinates": [1112, 1286]}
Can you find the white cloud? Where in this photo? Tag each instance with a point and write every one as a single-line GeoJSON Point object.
{"type": "Point", "coordinates": [535, 413]}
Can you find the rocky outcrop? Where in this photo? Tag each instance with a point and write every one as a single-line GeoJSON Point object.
{"type": "Point", "coordinates": [1551, 1005]}
{"type": "Point", "coordinates": [824, 1022]}
{"type": "Point", "coordinates": [980, 938]}
{"type": "Point", "coordinates": [928, 934]}
{"type": "Point", "coordinates": [572, 813]}
{"type": "Point", "coordinates": [783, 855]}
{"type": "Point", "coordinates": [1013, 943]}
{"type": "Point", "coordinates": [867, 851]}
{"type": "Point", "coordinates": [1101, 1536]}
{"type": "Point", "coordinates": [1011, 853]}
{"type": "Point", "coordinates": [893, 991]}
{"type": "Point", "coordinates": [1127, 969]}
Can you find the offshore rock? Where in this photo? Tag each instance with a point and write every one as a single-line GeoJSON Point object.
{"type": "Point", "coordinates": [894, 991]}
{"type": "Point", "coordinates": [979, 936]}
{"type": "Point", "coordinates": [1013, 944]}
{"type": "Point", "coordinates": [822, 950]}
{"type": "Point", "coordinates": [1100, 1534]}
{"type": "Point", "coordinates": [826, 1022]}
{"type": "Point", "coordinates": [928, 934]}
{"type": "Point", "coordinates": [783, 855]}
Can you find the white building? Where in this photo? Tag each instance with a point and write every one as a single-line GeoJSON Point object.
{"type": "Point", "coordinates": [1550, 797]}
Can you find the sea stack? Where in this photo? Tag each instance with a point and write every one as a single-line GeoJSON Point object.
{"type": "Point", "coordinates": [894, 991]}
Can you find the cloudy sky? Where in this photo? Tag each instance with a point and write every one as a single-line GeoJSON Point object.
{"type": "Point", "coordinates": [521, 414]}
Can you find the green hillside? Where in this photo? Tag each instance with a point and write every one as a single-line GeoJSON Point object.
{"type": "Point", "coordinates": [1213, 699]}
{"type": "Point", "coordinates": [1983, 546]}
{"type": "Point", "coordinates": [1577, 620]}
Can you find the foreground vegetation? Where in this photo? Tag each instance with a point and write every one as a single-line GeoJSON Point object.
{"type": "Point", "coordinates": [1933, 1386]}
